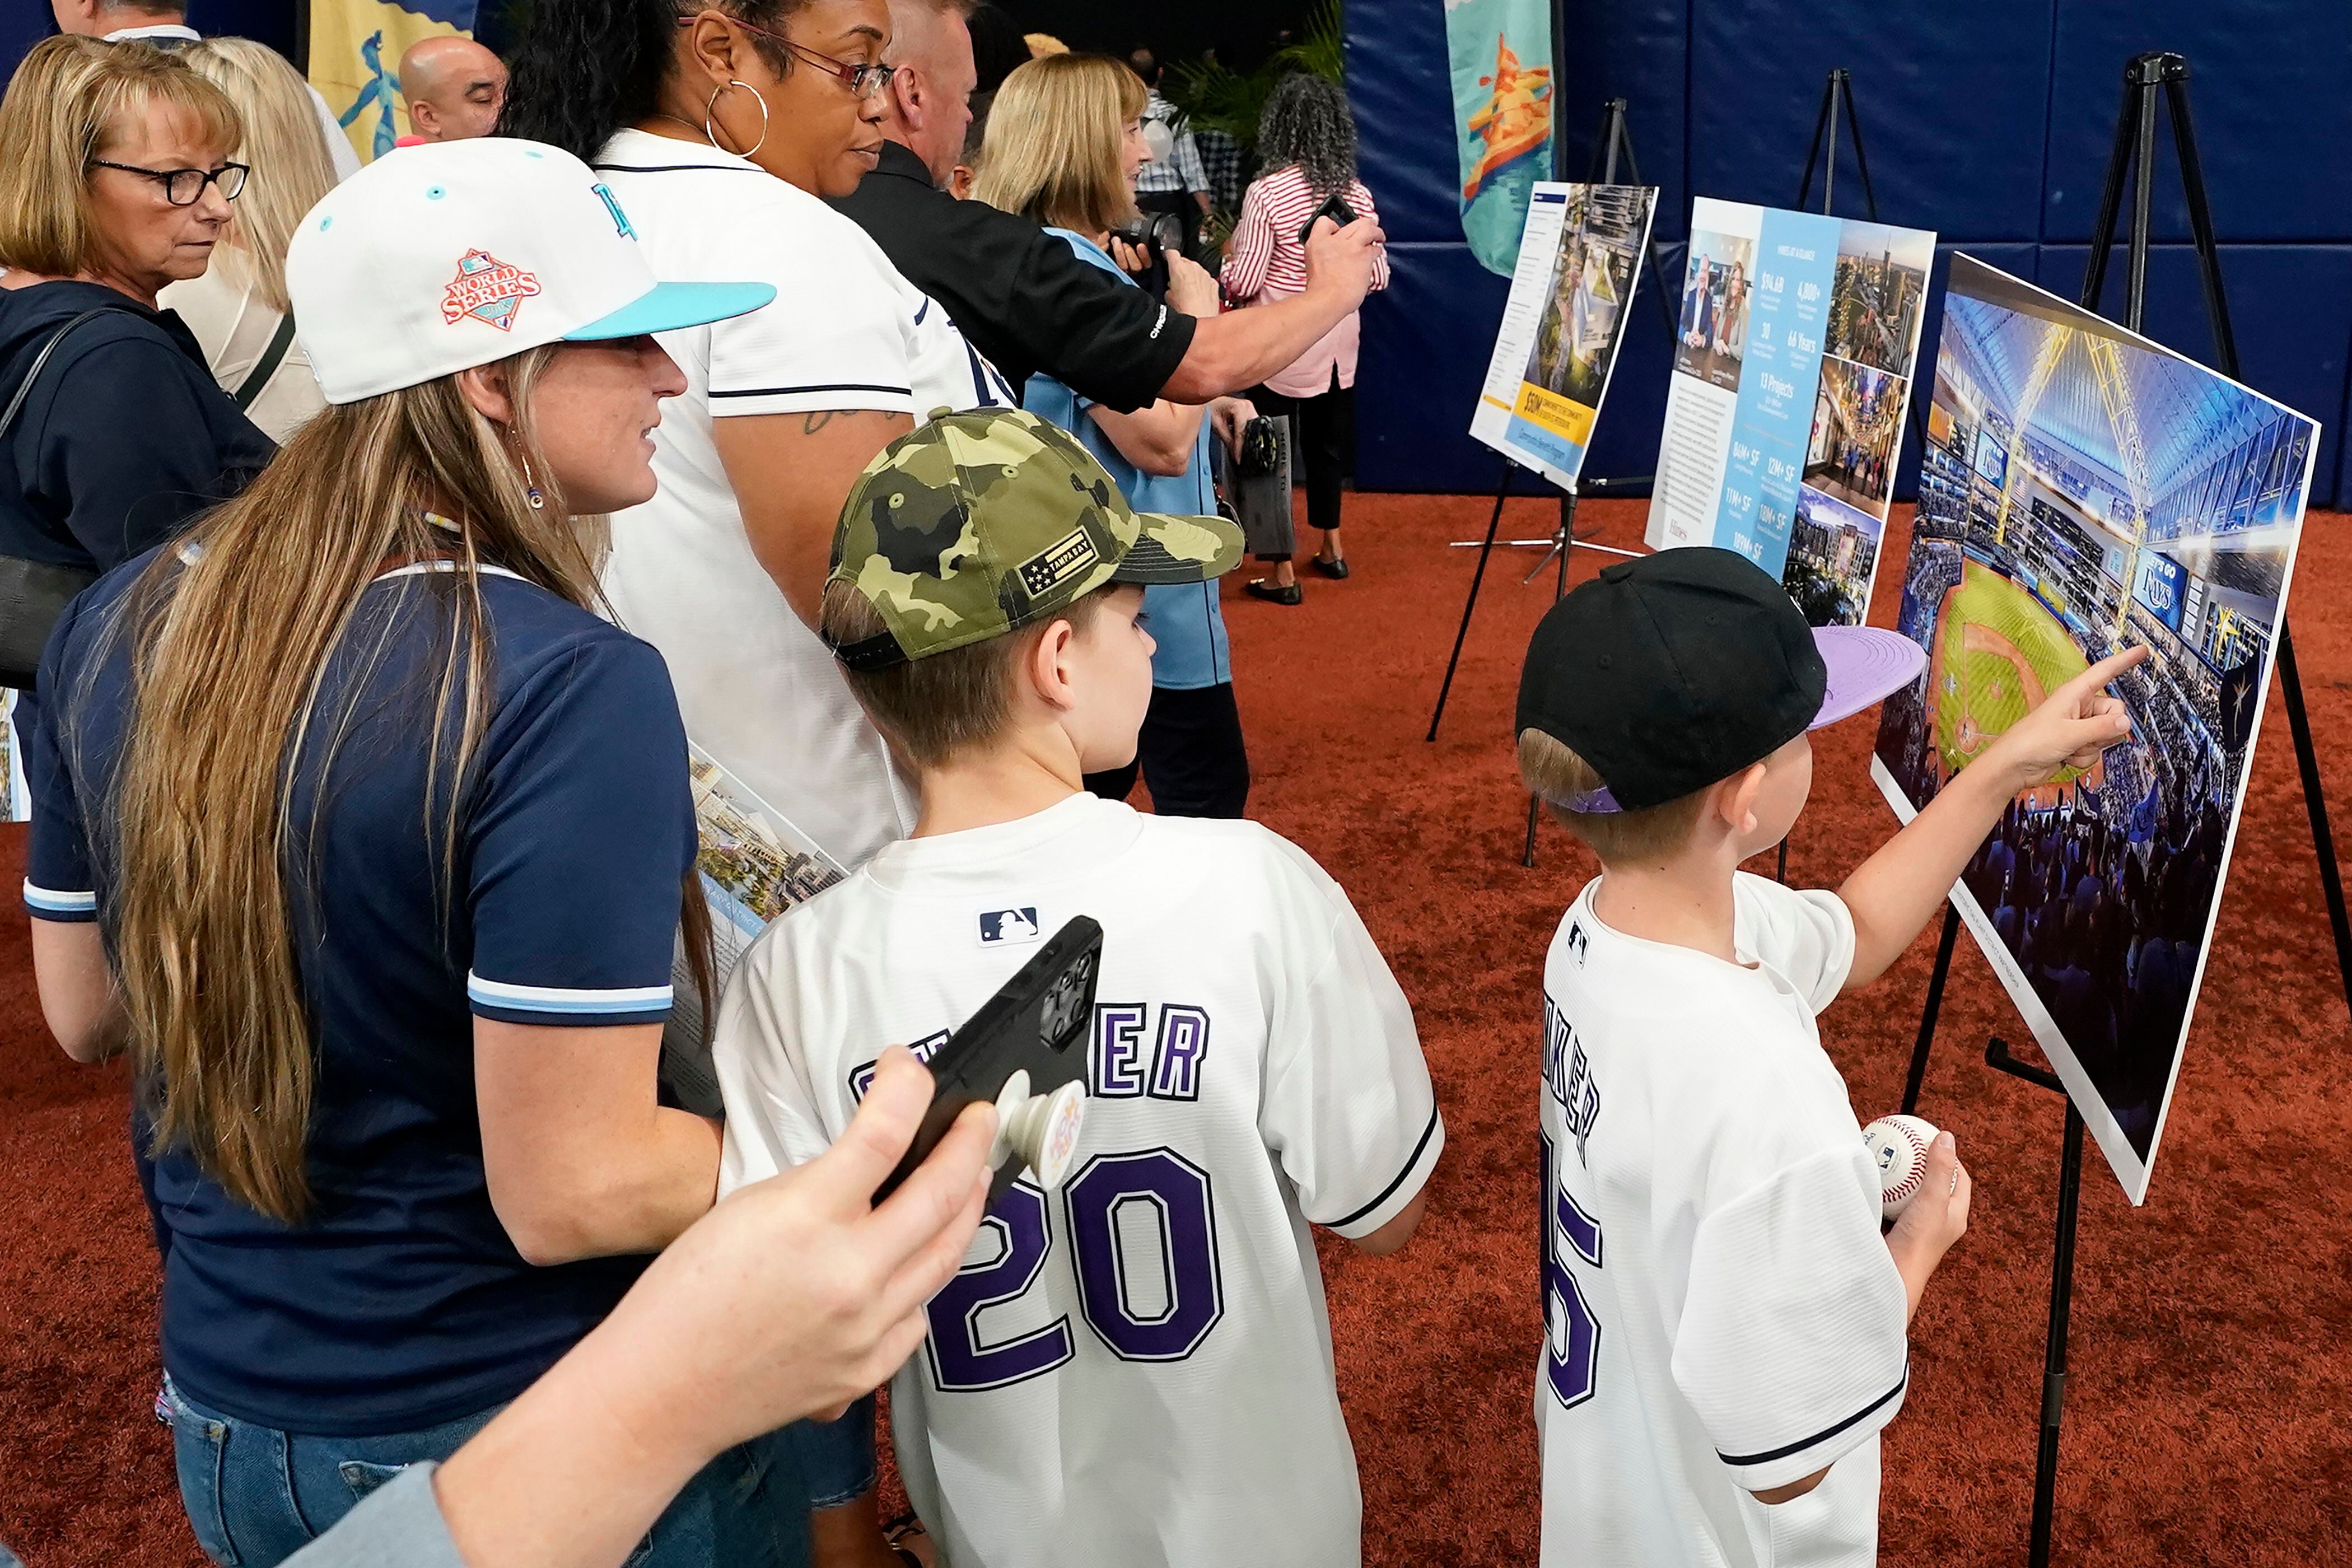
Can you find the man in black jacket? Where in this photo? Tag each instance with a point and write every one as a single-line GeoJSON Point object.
{"type": "Point", "coordinates": [1024, 298]}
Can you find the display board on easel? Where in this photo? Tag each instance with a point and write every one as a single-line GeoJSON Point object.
{"type": "Point", "coordinates": [2084, 491]}
{"type": "Point", "coordinates": [1579, 260]}
{"type": "Point", "coordinates": [1794, 349]}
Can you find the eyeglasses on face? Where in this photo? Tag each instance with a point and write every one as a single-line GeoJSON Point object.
{"type": "Point", "coordinates": [863, 81]}
{"type": "Point", "coordinates": [184, 187]}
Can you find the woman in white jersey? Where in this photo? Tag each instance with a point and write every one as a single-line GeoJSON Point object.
{"type": "Point", "coordinates": [722, 131]}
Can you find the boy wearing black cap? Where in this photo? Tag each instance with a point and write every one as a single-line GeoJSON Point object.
{"type": "Point", "coordinates": [1726, 1331]}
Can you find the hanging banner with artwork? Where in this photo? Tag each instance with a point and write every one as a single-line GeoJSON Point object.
{"type": "Point", "coordinates": [356, 49]}
{"type": "Point", "coordinates": [1500, 52]}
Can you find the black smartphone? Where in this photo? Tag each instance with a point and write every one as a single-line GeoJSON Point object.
{"type": "Point", "coordinates": [1037, 1023]}
{"type": "Point", "coordinates": [1336, 210]}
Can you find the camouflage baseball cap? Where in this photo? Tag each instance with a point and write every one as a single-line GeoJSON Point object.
{"type": "Point", "coordinates": [977, 524]}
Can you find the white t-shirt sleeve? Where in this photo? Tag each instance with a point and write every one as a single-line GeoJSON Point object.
{"type": "Point", "coordinates": [1348, 1110]}
{"type": "Point", "coordinates": [1806, 934]}
{"type": "Point", "coordinates": [1792, 1345]}
{"type": "Point", "coordinates": [839, 333]}
{"type": "Point", "coordinates": [774, 1116]}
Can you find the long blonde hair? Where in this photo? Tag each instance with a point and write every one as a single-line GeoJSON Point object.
{"type": "Point", "coordinates": [283, 145]}
{"type": "Point", "coordinates": [230, 636]}
{"type": "Point", "coordinates": [65, 106]}
{"type": "Point", "coordinates": [1052, 149]}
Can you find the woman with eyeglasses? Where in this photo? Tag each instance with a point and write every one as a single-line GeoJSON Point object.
{"type": "Point", "coordinates": [115, 182]}
{"type": "Point", "coordinates": [723, 129]}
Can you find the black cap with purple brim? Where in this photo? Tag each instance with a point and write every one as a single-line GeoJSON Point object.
{"type": "Point", "coordinates": [1671, 672]}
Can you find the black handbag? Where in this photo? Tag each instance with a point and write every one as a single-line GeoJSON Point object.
{"type": "Point", "coordinates": [34, 593]}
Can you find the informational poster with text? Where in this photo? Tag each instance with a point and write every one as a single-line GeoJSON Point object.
{"type": "Point", "coordinates": [1794, 351]}
{"type": "Point", "coordinates": [1580, 259]}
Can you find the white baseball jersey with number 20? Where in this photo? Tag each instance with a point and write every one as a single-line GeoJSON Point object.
{"type": "Point", "coordinates": [1135, 1369]}
{"type": "Point", "coordinates": [1722, 1317]}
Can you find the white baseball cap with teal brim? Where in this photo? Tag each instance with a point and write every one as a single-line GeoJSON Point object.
{"type": "Point", "coordinates": [439, 258]}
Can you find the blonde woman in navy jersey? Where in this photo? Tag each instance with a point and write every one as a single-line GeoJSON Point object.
{"type": "Point", "coordinates": [370, 844]}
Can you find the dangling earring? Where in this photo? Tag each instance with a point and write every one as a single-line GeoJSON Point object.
{"type": "Point", "coordinates": [709, 132]}
{"type": "Point", "coordinates": [529, 491]}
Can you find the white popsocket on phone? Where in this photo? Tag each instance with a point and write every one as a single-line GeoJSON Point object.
{"type": "Point", "coordinates": [1042, 1129]}
{"type": "Point", "coordinates": [1898, 1146]}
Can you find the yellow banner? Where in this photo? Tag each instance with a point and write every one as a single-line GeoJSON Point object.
{"type": "Point", "coordinates": [356, 49]}
{"type": "Point", "coordinates": [1564, 418]}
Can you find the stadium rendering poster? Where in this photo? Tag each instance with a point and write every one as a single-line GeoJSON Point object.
{"type": "Point", "coordinates": [2086, 490]}
{"type": "Point", "coordinates": [1793, 355]}
{"type": "Point", "coordinates": [1580, 258]}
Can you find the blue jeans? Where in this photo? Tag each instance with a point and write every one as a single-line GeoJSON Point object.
{"type": "Point", "coordinates": [255, 1495]}
{"type": "Point", "coordinates": [836, 1458]}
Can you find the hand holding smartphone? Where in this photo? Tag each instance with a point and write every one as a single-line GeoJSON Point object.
{"type": "Point", "coordinates": [1334, 208]}
{"type": "Point", "coordinates": [1033, 1028]}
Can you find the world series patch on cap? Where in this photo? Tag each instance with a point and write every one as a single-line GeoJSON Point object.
{"type": "Point", "coordinates": [436, 259]}
{"type": "Point", "coordinates": [976, 524]}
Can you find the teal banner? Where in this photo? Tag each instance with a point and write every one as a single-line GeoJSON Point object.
{"type": "Point", "coordinates": [1500, 51]}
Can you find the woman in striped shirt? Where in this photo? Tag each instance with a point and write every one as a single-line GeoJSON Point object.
{"type": "Point", "coordinates": [1307, 140]}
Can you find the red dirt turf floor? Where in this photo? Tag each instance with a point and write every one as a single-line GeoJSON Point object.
{"type": "Point", "coordinates": [2211, 1375]}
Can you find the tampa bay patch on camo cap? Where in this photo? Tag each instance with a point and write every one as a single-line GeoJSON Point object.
{"type": "Point", "coordinates": [979, 523]}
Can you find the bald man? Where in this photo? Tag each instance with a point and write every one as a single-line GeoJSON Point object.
{"type": "Point", "coordinates": [455, 89]}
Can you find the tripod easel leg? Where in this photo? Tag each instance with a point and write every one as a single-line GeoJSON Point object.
{"type": "Point", "coordinates": [2053, 1354]}
{"type": "Point", "coordinates": [1558, 592]}
{"type": "Point", "coordinates": [1485, 549]}
{"type": "Point", "coordinates": [2315, 799]}
{"type": "Point", "coordinates": [1917, 1077]}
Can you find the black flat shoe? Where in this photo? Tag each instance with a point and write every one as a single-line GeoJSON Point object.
{"type": "Point", "coordinates": [1259, 588]}
{"type": "Point", "coordinates": [1336, 569]}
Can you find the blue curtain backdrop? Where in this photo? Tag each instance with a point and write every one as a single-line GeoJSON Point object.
{"type": "Point", "coordinates": [1989, 123]}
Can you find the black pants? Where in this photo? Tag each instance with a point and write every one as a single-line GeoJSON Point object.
{"type": "Point", "coordinates": [1190, 754]}
{"type": "Point", "coordinates": [1319, 431]}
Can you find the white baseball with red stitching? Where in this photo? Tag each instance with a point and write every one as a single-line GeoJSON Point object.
{"type": "Point", "coordinates": [1899, 1145]}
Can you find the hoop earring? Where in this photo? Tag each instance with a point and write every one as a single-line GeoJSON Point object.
{"type": "Point", "coordinates": [709, 132]}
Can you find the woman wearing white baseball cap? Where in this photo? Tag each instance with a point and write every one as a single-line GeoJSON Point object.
{"type": "Point", "coordinates": [372, 844]}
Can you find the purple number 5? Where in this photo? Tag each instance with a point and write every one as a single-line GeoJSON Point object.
{"type": "Point", "coordinates": [1571, 1333]}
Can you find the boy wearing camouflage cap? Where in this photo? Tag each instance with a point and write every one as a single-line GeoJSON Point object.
{"type": "Point", "coordinates": [1137, 1367]}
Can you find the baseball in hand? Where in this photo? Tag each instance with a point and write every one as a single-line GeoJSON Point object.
{"type": "Point", "coordinates": [1899, 1145]}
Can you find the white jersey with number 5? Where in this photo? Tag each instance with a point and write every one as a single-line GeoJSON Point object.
{"type": "Point", "coordinates": [1722, 1315]}
{"type": "Point", "coordinates": [1135, 1369]}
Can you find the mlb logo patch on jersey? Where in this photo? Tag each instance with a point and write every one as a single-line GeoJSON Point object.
{"type": "Point", "coordinates": [1576, 943]}
{"type": "Point", "coordinates": [1003, 928]}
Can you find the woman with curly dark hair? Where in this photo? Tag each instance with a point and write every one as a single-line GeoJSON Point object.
{"type": "Point", "coordinates": [1307, 146]}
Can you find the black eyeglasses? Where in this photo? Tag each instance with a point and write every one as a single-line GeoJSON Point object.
{"type": "Point", "coordinates": [185, 187]}
{"type": "Point", "coordinates": [863, 81]}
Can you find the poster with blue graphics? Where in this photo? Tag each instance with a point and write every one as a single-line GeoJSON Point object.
{"type": "Point", "coordinates": [355, 50]}
{"type": "Point", "coordinates": [1795, 344]}
{"type": "Point", "coordinates": [1499, 53]}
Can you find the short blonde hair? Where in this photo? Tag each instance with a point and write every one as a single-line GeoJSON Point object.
{"type": "Point", "coordinates": [1557, 775]}
{"type": "Point", "coordinates": [283, 145]}
{"type": "Point", "coordinates": [1052, 150]}
{"type": "Point", "coordinates": [67, 104]}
